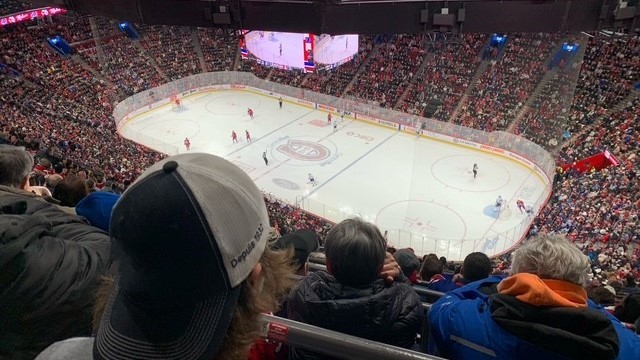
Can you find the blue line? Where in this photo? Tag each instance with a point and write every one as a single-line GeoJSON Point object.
{"type": "Point", "coordinates": [262, 137]}
{"type": "Point", "coordinates": [350, 165]}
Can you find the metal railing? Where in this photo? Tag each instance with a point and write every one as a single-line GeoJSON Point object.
{"type": "Point", "coordinates": [332, 343]}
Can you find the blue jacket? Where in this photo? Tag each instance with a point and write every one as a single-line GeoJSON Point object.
{"type": "Point", "coordinates": [463, 327]}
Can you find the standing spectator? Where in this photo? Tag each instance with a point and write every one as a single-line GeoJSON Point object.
{"type": "Point", "coordinates": [50, 263]}
{"type": "Point", "coordinates": [350, 297]}
{"type": "Point", "coordinates": [540, 312]}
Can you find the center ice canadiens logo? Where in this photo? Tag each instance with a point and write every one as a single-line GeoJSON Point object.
{"type": "Point", "coordinates": [304, 150]}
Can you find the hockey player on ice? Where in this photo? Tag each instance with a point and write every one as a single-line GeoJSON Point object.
{"type": "Point", "coordinates": [312, 180]}
{"type": "Point", "coordinates": [499, 202]}
{"type": "Point", "coordinates": [187, 143]}
{"type": "Point", "coordinates": [475, 170]}
{"type": "Point", "coordinates": [521, 206]}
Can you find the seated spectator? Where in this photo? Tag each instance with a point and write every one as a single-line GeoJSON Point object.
{"type": "Point", "coordinates": [409, 263]}
{"type": "Point", "coordinates": [52, 181]}
{"type": "Point", "coordinates": [476, 266]}
{"type": "Point", "coordinates": [603, 296]}
{"type": "Point", "coordinates": [629, 311]}
{"type": "Point", "coordinates": [194, 269]}
{"type": "Point", "coordinates": [303, 242]}
{"type": "Point", "coordinates": [433, 276]}
{"type": "Point", "coordinates": [350, 297]}
{"type": "Point", "coordinates": [50, 263]}
{"type": "Point", "coordinates": [540, 312]}
{"type": "Point", "coordinates": [70, 191]}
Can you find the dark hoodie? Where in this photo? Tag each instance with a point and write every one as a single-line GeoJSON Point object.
{"type": "Point", "coordinates": [388, 313]}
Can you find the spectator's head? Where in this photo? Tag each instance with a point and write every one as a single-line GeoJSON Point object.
{"type": "Point", "coordinates": [15, 166]}
{"type": "Point", "coordinates": [476, 266]}
{"type": "Point", "coordinates": [408, 262]}
{"type": "Point", "coordinates": [91, 185]}
{"type": "Point", "coordinates": [82, 174]}
{"type": "Point", "coordinates": [603, 296]}
{"type": "Point", "coordinates": [443, 260]}
{"type": "Point", "coordinates": [53, 180]}
{"type": "Point", "coordinates": [629, 311]}
{"type": "Point", "coordinates": [189, 238]}
{"type": "Point", "coordinates": [303, 242]}
{"type": "Point", "coordinates": [355, 252]}
{"type": "Point", "coordinates": [430, 267]}
{"type": "Point", "coordinates": [70, 191]}
{"type": "Point", "coordinates": [551, 257]}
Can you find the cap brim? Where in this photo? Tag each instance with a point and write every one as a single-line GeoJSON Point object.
{"type": "Point", "coordinates": [128, 331]}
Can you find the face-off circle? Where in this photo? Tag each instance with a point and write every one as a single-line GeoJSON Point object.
{"type": "Point", "coordinates": [423, 218]}
{"type": "Point", "coordinates": [303, 150]}
{"type": "Point", "coordinates": [456, 172]}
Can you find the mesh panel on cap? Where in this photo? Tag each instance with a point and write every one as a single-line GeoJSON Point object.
{"type": "Point", "coordinates": [234, 208]}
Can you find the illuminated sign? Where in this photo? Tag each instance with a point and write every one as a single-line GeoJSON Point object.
{"type": "Point", "coordinates": [30, 15]}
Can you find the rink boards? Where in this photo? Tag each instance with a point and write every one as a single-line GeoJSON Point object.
{"type": "Point", "coordinates": [426, 198]}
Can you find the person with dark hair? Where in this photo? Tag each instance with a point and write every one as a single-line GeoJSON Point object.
{"type": "Point", "coordinates": [476, 266]}
{"type": "Point", "coordinates": [629, 311]}
{"type": "Point", "coordinates": [443, 260]}
{"type": "Point", "coordinates": [70, 191]}
{"type": "Point", "coordinates": [50, 263]}
{"type": "Point", "coordinates": [351, 297]}
{"type": "Point", "coordinates": [409, 263]}
{"type": "Point", "coordinates": [540, 312]}
{"type": "Point", "coordinates": [433, 276]}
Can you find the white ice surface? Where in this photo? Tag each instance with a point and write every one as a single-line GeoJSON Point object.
{"type": "Point", "coordinates": [422, 191]}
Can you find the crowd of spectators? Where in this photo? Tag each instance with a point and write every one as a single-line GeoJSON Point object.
{"type": "Point", "coordinates": [60, 109]}
{"type": "Point", "coordinates": [172, 49]}
{"type": "Point", "coordinates": [387, 75]}
{"type": "Point", "coordinates": [505, 86]}
{"type": "Point", "coordinates": [12, 6]}
{"type": "Point", "coordinates": [287, 218]}
{"type": "Point", "coordinates": [447, 74]}
{"type": "Point", "coordinates": [609, 70]}
{"type": "Point", "coordinates": [219, 48]}
{"type": "Point", "coordinates": [287, 77]}
{"type": "Point", "coordinates": [545, 120]}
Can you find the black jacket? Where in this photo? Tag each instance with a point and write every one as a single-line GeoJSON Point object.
{"type": "Point", "coordinates": [49, 264]}
{"type": "Point", "coordinates": [390, 314]}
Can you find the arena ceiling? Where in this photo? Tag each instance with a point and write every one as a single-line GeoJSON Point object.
{"type": "Point", "coordinates": [368, 16]}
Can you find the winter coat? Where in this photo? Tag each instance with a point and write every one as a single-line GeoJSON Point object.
{"type": "Point", "coordinates": [388, 313]}
{"type": "Point", "coordinates": [467, 323]}
{"type": "Point", "coordinates": [50, 262]}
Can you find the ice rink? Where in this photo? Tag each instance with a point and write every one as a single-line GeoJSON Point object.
{"type": "Point", "coordinates": [421, 191]}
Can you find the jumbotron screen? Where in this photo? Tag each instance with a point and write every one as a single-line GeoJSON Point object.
{"type": "Point", "coordinates": [298, 51]}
